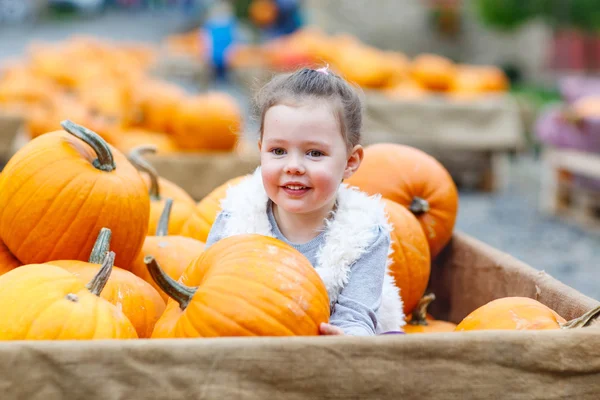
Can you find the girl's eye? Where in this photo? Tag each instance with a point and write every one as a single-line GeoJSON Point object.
{"type": "Point", "coordinates": [278, 151]}
{"type": "Point", "coordinates": [315, 153]}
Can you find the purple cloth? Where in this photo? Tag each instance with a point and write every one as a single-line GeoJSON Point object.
{"type": "Point", "coordinates": [573, 88]}
{"type": "Point", "coordinates": [553, 129]}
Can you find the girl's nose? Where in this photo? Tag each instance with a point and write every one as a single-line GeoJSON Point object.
{"type": "Point", "coordinates": [294, 166]}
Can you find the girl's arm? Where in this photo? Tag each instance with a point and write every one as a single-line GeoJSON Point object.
{"type": "Point", "coordinates": [217, 230]}
{"type": "Point", "coordinates": [357, 304]}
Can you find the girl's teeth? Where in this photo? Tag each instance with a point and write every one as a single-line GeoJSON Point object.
{"type": "Point", "coordinates": [295, 187]}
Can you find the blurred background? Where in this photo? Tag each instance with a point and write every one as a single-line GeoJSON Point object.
{"type": "Point", "coordinates": [505, 93]}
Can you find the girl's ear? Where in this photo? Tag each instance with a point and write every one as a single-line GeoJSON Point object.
{"type": "Point", "coordinates": [354, 160]}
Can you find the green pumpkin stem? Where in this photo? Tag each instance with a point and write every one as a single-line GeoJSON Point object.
{"type": "Point", "coordinates": [175, 290]}
{"type": "Point", "coordinates": [101, 247]}
{"type": "Point", "coordinates": [583, 321]}
{"type": "Point", "coordinates": [136, 158]}
{"type": "Point", "coordinates": [419, 314]}
{"type": "Point", "coordinates": [97, 284]}
{"type": "Point", "coordinates": [105, 160]}
{"type": "Point", "coordinates": [162, 228]}
{"type": "Point", "coordinates": [418, 206]}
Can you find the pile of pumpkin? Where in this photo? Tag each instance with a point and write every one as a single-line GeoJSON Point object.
{"type": "Point", "coordinates": [109, 88]}
{"type": "Point", "coordinates": [391, 72]}
{"type": "Point", "coordinates": [93, 244]}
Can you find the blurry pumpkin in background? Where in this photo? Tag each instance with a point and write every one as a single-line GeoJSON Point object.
{"type": "Point", "coordinates": [433, 72]}
{"type": "Point", "coordinates": [210, 121]}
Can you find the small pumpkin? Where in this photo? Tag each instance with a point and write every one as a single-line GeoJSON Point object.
{"type": "Point", "coordinates": [8, 261]}
{"type": "Point", "coordinates": [263, 12]}
{"type": "Point", "coordinates": [243, 285]}
{"type": "Point", "coordinates": [164, 187]}
{"type": "Point", "coordinates": [182, 209]}
{"type": "Point", "coordinates": [130, 138]}
{"type": "Point", "coordinates": [173, 253]}
{"type": "Point", "coordinates": [207, 122]}
{"type": "Point", "coordinates": [433, 71]}
{"type": "Point", "coordinates": [411, 264]}
{"type": "Point", "coordinates": [199, 224]}
{"type": "Point", "coordinates": [520, 313]}
{"type": "Point", "coordinates": [45, 302]}
{"type": "Point", "coordinates": [138, 300]}
{"type": "Point", "coordinates": [60, 189]}
{"type": "Point", "coordinates": [416, 180]}
{"type": "Point", "coordinates": [420, 322]}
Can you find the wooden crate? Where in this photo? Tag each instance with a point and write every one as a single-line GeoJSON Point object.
{"type": "Point", "coordinates": [560, 197]}
{"type": "Point", "coordinates": [472, 139]}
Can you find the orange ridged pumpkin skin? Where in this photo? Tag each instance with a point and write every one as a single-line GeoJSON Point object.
{"type": "Point", "coordinates": [405, 174]}
{"type": "Point", "coordinates": [34, 305]}
{"type": "Point", "coordinates": [182, 211]}
{"type": "Point", "coordinates": [199, 224]}
{"type": "Point", "coordinates": [173, 253]}
{"type": "Point", "coordinates": [8, 261]}
{"type": "Point", "coordinates": [50, 190]}
{"type": "Point", "coordinates": [512, 313]}
{"type": "Point", "coordinates": [411, 264]}
{"type": "Point", "coordinates": [138, 300]}
{"type": "Point", "coordinates": [248, 285]}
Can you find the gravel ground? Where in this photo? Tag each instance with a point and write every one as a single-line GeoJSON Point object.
{"type": "Point", "coordinates": [509, 220]}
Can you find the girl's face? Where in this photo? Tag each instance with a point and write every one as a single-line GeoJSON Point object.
{"type": "Point", "coordinates": [304, 157]}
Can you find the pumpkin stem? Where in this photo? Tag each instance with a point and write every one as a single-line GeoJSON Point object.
{"type": "Point", "coordinates": [175, 290]}
{"type": "Point", "coordinates": [419, 314]}
{"type": "Point", "coordinates": [101, 247]}
{"type": "Point", "coordinates": [99, 281]}
{"type": "Point", "coordinates": [162, 229]}
{"type": "Point", "coordinates": [418, 205]}
{"type": "Point", "coordinates": [584, 320]}
{"type": "Point", "coordinates": [105, 160]}
{"type": "Point", "coordinates": [136, 158]}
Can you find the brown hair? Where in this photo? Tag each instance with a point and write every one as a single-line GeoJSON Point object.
{"type": "Point", "coordinates": [319, 84]}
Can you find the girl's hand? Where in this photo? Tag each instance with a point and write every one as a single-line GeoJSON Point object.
{"type": "Point", "coordinates": [330, 330]}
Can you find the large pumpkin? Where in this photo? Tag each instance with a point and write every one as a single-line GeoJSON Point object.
{"type": "Point", "coordinates": [520, 313]}
{"type": "Point", "coordinates": [411, 264]}
{"type": "Point", "coordinates": [420, 322]}
{"type": "Point", "coordinates": [173, 253]}
{"type": "Point", "coordinates": [45, 302]}
{"type": "Point", "coordinates": [8, 261]}
{"type": "Point", "coordinates": [433, 71]}
{"type": "Point", "coordinates": [199, 224]}
{"type": "Point", "coordinates": [60, 189]}
{"type": "Point", "coordinates": [244, 285]}
{"type": "Point", "coordinates": [416, 180]}
{"type": "Point", "coordinates": [182, 208]}
{"type": "Point", "coordinates": [138, 300]}
{"type": "Point", "coordinates": [210, 121]}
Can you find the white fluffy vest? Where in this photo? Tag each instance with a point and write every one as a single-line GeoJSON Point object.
{"type": "Point", "coordinates": [348, 234]}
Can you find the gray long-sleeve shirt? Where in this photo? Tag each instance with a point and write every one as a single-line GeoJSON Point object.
{"type": "Point", "coordinates": [360, 299]}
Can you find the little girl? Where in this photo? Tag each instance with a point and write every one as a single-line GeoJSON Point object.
{"type": "Point", "coordinates": [310, 123]}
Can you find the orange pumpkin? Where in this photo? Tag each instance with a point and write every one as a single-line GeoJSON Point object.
{"type": "Point", "coordinates": [210, 122]}
{"type": "Point", "coordinates": [433, 72]}
{"type": "Point", "coordinates": [520, 313]}
{"type": "Point", "coordinates": [131, 138]}
{"type": "Point", "coordinates": [411, 264]}
{"type": "Point", "coordinates": [45, 302]}
{"type": "Point", "coordinates": [182, 210]}
{"type": "Point", "coordinates": [173, 253]}
{"type": "Point", "coordinates": [199, 224]}
{"type": "Point", "coordinates": [60, 189]}
{"type": "Point", "coordinates": [8, 261]}
{"type": "Point", "coordinates": [416, 180]}
{"type": "Point", "coordinates": [420, 322]}
{"type": "Point", "coordinates": [138, 300]}
{"type": "Point", "coordinates": [156, 102]}
{"type": "Point", "coordinates": [263, 12]}
{"type": "Point", "coordinates": [243, 285]}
